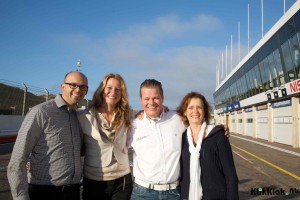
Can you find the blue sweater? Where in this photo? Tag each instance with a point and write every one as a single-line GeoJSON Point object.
{"type": "Point", "coordinates": [218, 175]}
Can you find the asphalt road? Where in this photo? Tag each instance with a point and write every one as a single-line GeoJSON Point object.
{"type": "Point", "coordinates": [266, 170]}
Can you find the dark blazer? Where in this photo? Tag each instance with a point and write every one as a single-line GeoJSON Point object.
{"type": "Point", "coordinates": [218, 175]}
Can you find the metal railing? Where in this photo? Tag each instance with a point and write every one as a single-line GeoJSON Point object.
{"type": "Point", "coordinates": [19, 98]}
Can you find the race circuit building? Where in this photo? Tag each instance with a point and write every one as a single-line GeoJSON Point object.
{"type": "Point", "coordinates": [261, 96]}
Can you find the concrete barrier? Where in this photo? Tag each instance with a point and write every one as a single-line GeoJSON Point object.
{"type": "Point", "coordinates": [9, 126]}
{"type": "Point", "coordinates": [10, 122]}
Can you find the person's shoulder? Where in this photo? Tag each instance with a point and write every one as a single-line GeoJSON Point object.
{"type": "Point", "coordinates": [82, 111]}
{"type": "Point", "coordinates": [40, 110]}
{"type": "Point", "coordinates": [43, 106]}
{"type": "Point", "coordinates": [218, 133]}
{"type": "Point", "coordinates": [217, 128]}
{"type": "Point", "coordinates": [171, 114]}
{"type": "Point", "coordinates": [136, 121]}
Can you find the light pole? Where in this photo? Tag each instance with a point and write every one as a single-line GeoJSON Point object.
{"type": "Point", "coordinates": [78, 65]}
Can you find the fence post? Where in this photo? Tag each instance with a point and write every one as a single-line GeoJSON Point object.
{"type": "Point", "coordinates": [24, 99]}
{"type": "Point", "coordinates": [47, 94]}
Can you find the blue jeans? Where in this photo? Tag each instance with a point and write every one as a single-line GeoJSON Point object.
{"type": "Point", "coordinates": [142, 193]}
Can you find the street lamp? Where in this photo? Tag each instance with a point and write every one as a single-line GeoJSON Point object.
{"type": "Point", "coordinates": [78, 65]}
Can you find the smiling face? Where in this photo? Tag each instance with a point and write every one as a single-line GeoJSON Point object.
{"type": "Point", "coordinates": [195, 111]}
{"type": "Point", "coordinates": [152, 101]}
{"type": "Point", "coordinates": [73, 96]}
{"type": "Point", "coordinates": [112, 92]}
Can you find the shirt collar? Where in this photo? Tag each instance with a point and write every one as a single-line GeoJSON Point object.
{"type": "Point", "coordinates": [60, 102]}
{"type": "Point", "coordinates": [154, 120]}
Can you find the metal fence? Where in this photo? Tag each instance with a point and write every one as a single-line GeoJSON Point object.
{"type": "Point", "coordinates": [19, 98]}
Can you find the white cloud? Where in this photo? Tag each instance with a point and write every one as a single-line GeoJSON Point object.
{"type": "Point", "coordinates": [169, 26]}
{"type": "Point", "coordinates": [142, 51]}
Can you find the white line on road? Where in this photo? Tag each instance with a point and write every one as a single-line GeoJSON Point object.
{"type": "Point", "coordinates": [270, 146]}
{"type": "Point", "coordinates": [239, 155]}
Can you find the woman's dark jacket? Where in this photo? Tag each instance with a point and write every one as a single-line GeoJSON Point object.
{"type": "Point", "coordinates": [218, 175]}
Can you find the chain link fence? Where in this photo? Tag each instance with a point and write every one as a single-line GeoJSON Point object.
{"type": "Point", "coordinates": [19, 98]}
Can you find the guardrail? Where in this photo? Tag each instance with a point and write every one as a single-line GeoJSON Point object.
{"type": "Point", "coordinates": [8, 136]}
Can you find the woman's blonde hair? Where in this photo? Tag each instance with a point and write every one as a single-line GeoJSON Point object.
{"type": "Point", "coordinates": [122, 109]}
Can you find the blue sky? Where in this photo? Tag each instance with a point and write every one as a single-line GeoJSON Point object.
{"type": "Point", "coordinates": [176, 42]}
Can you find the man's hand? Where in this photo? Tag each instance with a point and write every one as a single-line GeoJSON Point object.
{"type": "Point", "coordinates": [166, 109]}
{"type": "Point", "coordinates": [226, 129]}
{"type": "Point", "coordinates": [139, 115]}
{"type": "Point", "coordinates": [28, 166]}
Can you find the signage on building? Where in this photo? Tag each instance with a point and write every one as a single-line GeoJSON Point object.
{"type": "Point", "coordinates": [239, 111]}
{"type": "Point", "coordinates": [262, 107]}
{"type": "Point", "coordinates": [248, 109]}
{"type": "Point", "coordinates": [229, 108]}
{"type": "Point", "coordinates": [283, 90]}
{"type": "Point", "coordinates": [282, 103]}
{"type": "Point", "coordinates": [295, 86]}
{"type": "Point", "coordinates": [235, 105]}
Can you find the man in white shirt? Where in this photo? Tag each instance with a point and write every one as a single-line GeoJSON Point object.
{"type": "Point", "coordinates": [156, 143]}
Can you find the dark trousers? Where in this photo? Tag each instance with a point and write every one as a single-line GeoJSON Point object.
{"type": "Point", "coordinates": [118, 189]}
{"type": "Point", "coordinates": [49, 192]}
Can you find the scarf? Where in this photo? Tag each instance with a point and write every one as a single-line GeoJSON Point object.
{"type": "Point", "coordinates": [195, 191]}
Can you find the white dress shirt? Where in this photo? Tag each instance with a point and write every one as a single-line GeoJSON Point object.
{"type": "Point", "coordinates": [156, 148]}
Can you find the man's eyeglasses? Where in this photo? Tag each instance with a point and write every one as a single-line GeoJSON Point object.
{"type": "Point", "coordinates": [73, 86]}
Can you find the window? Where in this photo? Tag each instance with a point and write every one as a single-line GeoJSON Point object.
{"type": "Point", "coordinates": [273, 71]}
{"type": "Point", "coordinates": [250, 83]}
{"type": "Point", "coordinates": [278, 65]}
{"type": "Point", "coordinates": [249, 120]}
{"type": "Point", "coordinates": [264, 78]}
{"type": "Point", "coordinates": [288, 61]}
{"type": "Point", "coordinates": [257, 81]}
{"type": "Point", "coordinates": [285, 34]}
{"type": "Point", "coordinates": [295, 49]}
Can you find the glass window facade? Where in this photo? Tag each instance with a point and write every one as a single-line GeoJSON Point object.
{"type": "Point", "coordinates": [277, 62]}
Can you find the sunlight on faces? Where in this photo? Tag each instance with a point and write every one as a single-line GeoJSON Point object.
{"type": "Point", "coordinates": [195, 111]}
{"type": "Point", "coordinates": [112, 92]}
{"type": "Point", "coordinates": [73, 96]}
{"type": "Point", "coordinates": [152, 101]}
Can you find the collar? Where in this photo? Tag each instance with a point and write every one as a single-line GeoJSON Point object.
{"type": "Point", "coordinates": [60, 102]}
{"type": "Point", "coordinates": [154, 120]}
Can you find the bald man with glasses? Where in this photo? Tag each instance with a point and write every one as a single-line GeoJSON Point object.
{"type": "Point", "coordinates": [50, 139]}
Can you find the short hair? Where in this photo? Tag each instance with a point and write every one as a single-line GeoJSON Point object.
{"type": "Point", "coordinates": [74, 72]}
{"type": "Point", "coordinates": [152, 83]}
{"type": "Point", "coordinates": [185, 102]}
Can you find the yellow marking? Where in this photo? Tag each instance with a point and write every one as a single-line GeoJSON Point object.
{"type": "Point", "coordinates": [267, 162]}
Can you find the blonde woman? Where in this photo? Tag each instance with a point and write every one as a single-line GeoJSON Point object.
{"type": "Point", "coordinates": [106, 172]}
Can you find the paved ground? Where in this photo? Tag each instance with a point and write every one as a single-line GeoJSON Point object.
{"type": "Point", "coordinates": [275, 168]}
{"type": "Point", "coordinates": [4, 187]}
